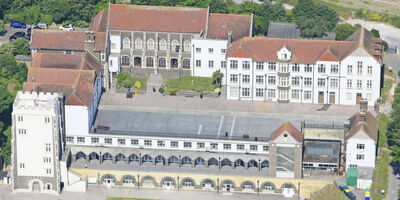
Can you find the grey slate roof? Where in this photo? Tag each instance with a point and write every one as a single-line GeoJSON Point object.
{"type": "Point", "coordinates": [283, 30]}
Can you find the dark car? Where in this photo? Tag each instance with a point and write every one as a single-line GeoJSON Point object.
{"type": "Point", "coordinates": [17, 35]}
{"type": "Point", "coordinates": [28, 31]}
{"type": "Point", "coordinates": [343, 187]}
{"type": "Point", "coordinates": [17, 24]}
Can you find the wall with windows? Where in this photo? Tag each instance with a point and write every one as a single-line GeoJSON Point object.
{"type": "Point", "coordinates": [208, 56]}
{"type": "Point", "coordinates": [360, 152]}
{"type": "Point", "coordinates": [326, 82]}
{"type": "Point", "coordinates": [240, 78]}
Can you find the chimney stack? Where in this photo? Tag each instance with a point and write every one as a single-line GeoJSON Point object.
{"type": "Point", "coordinates": [90, 41]}
{"type": "Point", "coordinates": [363, 115]}
{"type": "Point", "coordinates": [364, 104]}
{"type": "Point", "coordinates": [230, 39]}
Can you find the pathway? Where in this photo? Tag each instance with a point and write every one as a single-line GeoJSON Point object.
{"type": "Point", "coordinates": [155, 81]}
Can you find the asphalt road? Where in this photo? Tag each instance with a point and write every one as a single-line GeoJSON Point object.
{"type": "Point", "coordinates": [10, 31]}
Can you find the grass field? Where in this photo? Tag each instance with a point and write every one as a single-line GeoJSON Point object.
{"type": "Point", "coordinates": [188, 83]}
{"type": "Point", "coordinates": [329, 192]}
{"type": "Point", "coordinates": [381, 176]}
{"type": "Point", "coordinates": [387, 85]}
{"type": "Point", "coordinates": [383, 124]}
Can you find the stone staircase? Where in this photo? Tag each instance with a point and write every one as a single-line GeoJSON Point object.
{"type": "Point", "coordinates": [154, 80]}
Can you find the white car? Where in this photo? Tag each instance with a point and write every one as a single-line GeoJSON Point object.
{"type": "Point", "coordinates": [67, 27]}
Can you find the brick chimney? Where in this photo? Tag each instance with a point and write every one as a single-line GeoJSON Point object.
{"type": "Point", "coordinates": [364, 104]}
{"type": "Point", "coordinates": [363, 115]}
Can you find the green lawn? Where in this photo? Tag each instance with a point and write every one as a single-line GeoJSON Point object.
{"type": "Point", "coordinates": [381, 176]}
{"type": "Point", "coordinates": [387, 85]}
{"type": "Point", "coordinates": [123, 198]}
{"type": "Point", "coordinates": [329, 192]}
{"type": "Point", "coordinates": [383, 124]}
{"type": "Point", "coordinates": [189, 83]}
{"type": "Point", "coordinates": [125, 80]}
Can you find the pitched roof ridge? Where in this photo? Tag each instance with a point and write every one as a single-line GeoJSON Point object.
{"type": "Point", "coordinates": [161, 7]}
{"type": "Point", "coordinates": [230, 14]}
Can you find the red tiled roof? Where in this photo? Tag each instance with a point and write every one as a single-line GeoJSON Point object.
{"type": "Point", "coordinates": [100, 44]}
{"type": "Point", "coordinates": [370, 126]}
{"type": "Point", "coordinates": [328, 56]}
{"type": "Point", "coordinates": [303, 51]}
{"type": "Point", "coordinates": [370, 43]}
{"type": "Point", "coordinates": [157, 18]}
{"type": "Point", "coordinates": [289, 128]}
{"type": "Point", "coordinates": [61, 40]}
{"type": "Point", "coordinates": [220, 24]}
{"type": "Point", "coordinates": [99, 22]}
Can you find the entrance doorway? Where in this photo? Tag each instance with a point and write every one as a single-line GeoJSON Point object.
{"type": "Point", "coordinates": [320, 97]}
{"type": "Point", "coordinates": [137, 62]}
{"type": "Point", "coordinates": [358, 98]}
{"type": "Point", "coordinates": [174, 63]}
{"type": "Point", "coordinates": [228, 187]}
{"type": "Point", "coordinates": [332, 97]}
{"type": "Point", "coordinates": [168, 184]}
{"type": "Point", "coordinates": [36, 187]}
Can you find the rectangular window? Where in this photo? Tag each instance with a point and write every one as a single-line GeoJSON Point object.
{"type": "Point", "coordinates": [307, 81]}
{"type": "Point", "coordinates": [369, 70]}
{"type": "Point", "coordinates": [214, 146]}
{"type": "Point", "coordinates": [334, 83]}
{"type": "Point", "coordinates": [259, 92]}
{"type": "Point", "coordinates": [22, 131]}
{"type": "Point", "coordinates": [210, 63]}
{"type": "Point", "coordinates": [260, 65]}
{"type": "Point", "coordinates": [334, 69]}
{"type": "Point", "coordinates": [259, 79]}
{"type": "Point", "coordinates": [283, 81]}
{"type": "Point", "coordinates": [360, 146]}
{"type": "Point", "coordinates": [227, 146]}
{"type": "Point", "coordinates": [360, 156]}
{"type": "Point", "coordinates": [246, 64]}
{"type": "Point", "coordinates": [70, 139]}
{"type": "Point", "coordinates": [321, 68]}
{"type": "Point", "coordinates": [113, 46]}
{"type": "Point", "coordinates": [246, 92]}
{"type": "Point", "coordinates": [349, 83]}
{"type": "Point", "coordinates": [134, 142]}
{"type": "Point", "coordinates": [359, 84]}
{"type": "Point", "coordinates": [174, 144]}
{"type": "Point", "coordinates": [223, 51]}
{"type": "Point", "coordinates": [47, 160]}
{"type": "Point", "coordinates": [47, 120]}
{"type": "Point", "coordinates": [272, 66]}
{"type": "Point", "coordinates": [359, 67]}
{"type": "Point", "coordinates": [210, 50]}
{"type": "Point", "coordinates": [223, 64]}
{"type": "Point", "coordinates": [234, 64]}
{"type": "Point", "coordinates": [369, 84]}
{"type": "Point", "coordinates": [198, 63]}
{"type": "Point", "coordinates": [265, 148]}
{"type": "Point", "coordinates": [296, 67]}
{"type": "Point", "coordinates": [20, 118]}
{"type": "Point", "coordinates": [308, 68]}
{"type": "Point", "coordinates": [234, 78]}
{"type": "Point", "coordinates": [200, 145]}
{"type": "Point", "coordinates": [81, 139]}
{"type": "Point", "coordinates": [349, 69]}
{"type": "Point", "coordinates": [271, 93]}
{"type": "Point", "coordinates": [272, 80]}
{"type": "Point", "coordinates": [187, 144]}
{"type": "Point", "coordinates": [246, 78]}
{"type": "Point", "coordinates": [95, 140]}
{"type": "Point", "coordinates": [147, 142]}
{"type": "Point", "coordinates": [160, 143]}
{"type": "Point", "coordinates": [121, 141]}
{"type": "Point", "coordinates": [253, 147]}
{"type": "Point", "coordinates": [352, 166]}
{"type": "Point", "coordinates": [48, 171]}
{"type": "Point", "coordinates": [198, 50]}
{"type": "Point", "coordinates": [295, 81]}
{"type": "Point", "coordinates": [48, 147]}
{"type": "Point", "coordinates": [321, 82]}
{"type": "Point", "coordinates": [108, 140]}
{"type": "Point", "coordinates": [21, 165]}
{"type": "Point", "coordinates": [307, 95]}
{"type": "Point", "coordinates": [295, 94]}
{"type": "Point", "coordinates": [240, 147]}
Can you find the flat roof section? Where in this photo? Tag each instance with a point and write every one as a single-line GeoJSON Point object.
{"type": "Point", "coordinates": [321, 152]}
{"type": "Point", "coordinates": [191, 124]}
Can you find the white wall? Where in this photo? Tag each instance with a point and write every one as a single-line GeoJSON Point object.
{"type": "Point", "coordinates": [76, 120]}
{"type": "Point", "coordinates": [115, 40]}
{"type": "Point", "coordinates": [234, 89]}
{"type": "Point", "coordinates": [113, 63]}
{"type": "Point", "coordinates": [205, 56]}
{"type": "Point", "coordinates": [326, 89]}
{"type": "Point", "coordinates": [352, 151]}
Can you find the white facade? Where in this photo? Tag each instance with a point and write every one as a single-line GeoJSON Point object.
{"type": "Point", "coordinates": [115, 51]}
{"type": "Point", "coordinates": [360, 151]}
{"type": "Point", "coordinates": [76, 120]}
{"type": "Point", "coordinates": [323, 82]}
{"type": "Point", "coordinates": [208, 56]}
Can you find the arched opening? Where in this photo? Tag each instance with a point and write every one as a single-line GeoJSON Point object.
{"type": "Point", "coordinates": [36, 187]}
{"type": "Point", "coordinates": [175, 46]}
{"type": "Point", "coordinates": [188, 182]}
{"type": "Point", "coordinates": [149, 62]}
{"type": "Point", "coordinates": [267, 186]}
{"type": "Point", "coordinates": [288, 189]}
{"type": "Point", "coordinates": [227, 185]}
{"type": "Point", "coordinates": [173, 159]}
{"type": "Point", "coordinates": [168, 181]}
{"type": "Point", "coordinates": [150, 44]}
{"type": "Point", "coordinates": [162, 63]}
{"type": "Point", "coordinates": [226, 162]}
{"type": "Point", "coordinates": [174, 63]}
{"type": "Point", "coordinates": [186, 46]}
{"type": "Point", "coordinates": [137, 61]}
{"type": "Point", "coordinates": [146, 158]}
{"type": "Point", "coordinates": [252, 163]}
{"type": "Point", "coordinates": [200, 161]}
{"type": "Point", "coordinates": [120, 157]}
{"type": "Point", "coordinates": [80, 155]}
{"type": "Point", "coordinates": [160, 159]}
{"type": "Point", "coordinates": [93, 156]}
{"type": "Point", "coordinates": [128, 179]}
{"type": "Point", "coordinates": [133, 158]}
{"type": "Point", "coordinates": [212, 161]}
{"type": "Point", "coordinates": [138, 43]}
{"type": "Point", "coordinates": [248, 185]}
{"type": "Point", "coordinates": [186, 160]}
{"type": "Point", "coordinates": [163, 45]}
{"type": "Point", "coordinates": [288, 186]}
{"type": "Point", "coordinates": [48, 186]}
{"type": "Point", "coordinates": [207, 184]}
{"type": "Point", "coordinates": [264, 164]}
{"type": "Point", "coordinates": [107, 156]}
{"type": "Point", "coordinates": [239, 163]}
{"type": "Point", "coordinates": [126, 43]}
{"type": "Point", "coordinates": [148, 181]}
{"type": "Point", "coordinates": [108, 179]}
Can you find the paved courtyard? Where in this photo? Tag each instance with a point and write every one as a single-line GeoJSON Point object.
{"type": "Point", "coordinates": [101, 193]}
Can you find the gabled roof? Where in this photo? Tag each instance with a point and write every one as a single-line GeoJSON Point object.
{"type": "Point", "coordinates": [327, 55]}
{"type": "Point", "coordinates": [369, 42]}
{"type": "Point", "coordinates": [60, 40]}
{"type": "Point", "coordinates": [303, 51]}
{"type": "Point", "coordinates": [99, 22]}
{"type": "Point", "coordinates": [370, 126]}
{"type": "Point", "coordinates": [283, 30]}
{"type": "Point", "coordinates": [73, 75]}
{"type": "Point", "coordinates": [219, 25]}
{"type": "Point", "coordinates": [101, 42]}
{"type": "Point", "coordinates": [157, 18]}
{"type": "Point", "coordinates": [289, 128]}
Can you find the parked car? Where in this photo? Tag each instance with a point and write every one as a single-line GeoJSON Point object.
{"type": "Point", "coordinates": [28, 31]}
{"type": "Point", "coordinates": [40, 26]}
{"type": "Point", "coordinates": [17, 24]}
{"type": "Point", "coordinates": [17, 35]}
{"type": "Point", "coordinates": [349, 194]}
{"type": "Point", "coordinates": [67, 27]}
{"type": "Point", "coordinates": [343, 187]}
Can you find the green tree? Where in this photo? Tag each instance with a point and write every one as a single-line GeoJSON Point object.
{"type": "Point", "coordinates": [343, 31]}
{"type": "Point", "coordinates": [265, 13]}
{"type": "Point", "coordinates": [48, 19]}
{"type": "Point", "coordinates": [218, 6]}
{"type": "Point", "coordinates": [2, 28]}
{"type": "Point", "coordinates": [21, 46]}
{"type": "Point", "coordinates": [217, 78]}
{"type": "Point", "coordinates": [248, 7]}
{"type": "Point", "coordinates": [375, 33]}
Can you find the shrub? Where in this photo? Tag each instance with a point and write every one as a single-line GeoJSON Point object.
{"type": "Point", "coordinates": [172, 91]}
{"type": "Point", "coordinates": [81, 24]}
{"type": "Point", "coordinates": [161, 90]}
{"type": "Point", "coordinates": [48, 19]}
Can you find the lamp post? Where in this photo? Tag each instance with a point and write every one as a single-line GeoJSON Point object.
{"type": "Point", "coordinates": [299, 189]}
{"type": "Point", "coordinates": [178, 183]}
{"type": "Point", "coordinates": [327, 90]}
{"type": "Point", "coordinates": [258, 187]}
{"type": "Point", "coordinates": [217, 185]}
{"type": "Point", "coordinates": [138, 182]}
{"type": "Point", "coordinates": [240, 78]}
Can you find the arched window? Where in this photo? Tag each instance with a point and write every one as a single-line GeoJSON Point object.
{"type": "Point", "coordinates": [186, 46]}
{"type": "Point", "coordinates": [186, 160]}
{"type": "Point", "coordinates": [200, 161]}
{"type": "Point", "coordinates": [148, 180]}
{"type": "Point", "coordinates": [150, 44]}
{"type": "Point", "coordinates": [107, 156]}
{"type": "Point", "coordinates": [160, 159]}
{"type": "Point", "coordinates": [175, 46]}
{"type": "Point", "coordinates": [128, 179]}
{"type": "Point", "coordinates": [207, 183]}
{"type": "Point", "coordinates": [162, 63]}
{"type": "Point", "coordinates": [133, 157]}
{"type": "Point", "coordinates": [126, 43]}
{"type": "Point", "coordinates": [108, 178]}
{"type": "Point", "coordinates": [226, 162]}
{"type": "Point", "coordinates": [173, 159]}
{"type": "Point", "coordinates": [188, 182]}
{"type": "Point", "coordinates": [147, 158]}
{"type": "Point", "coordinates": [265, 163]}
{"type": "Point", "coordinates": [239, 163]}
{"type": "Point", "coordinates": [48, 186]}
{"type": "Point", "coordinates": [268, 186]}
{"type": "Point", "coordinates": [149, 62]}
{"type": "Point", "coordinates": [163, 45]}
{"type": "Point", "coordinates": [227, 184]}
{"type": "Point", "coordinates": [138, 43]}
{"type": "Point", "coordinates": [247, 185]}
{"type": "Point", "coordinates": [212, 161]}
{"type": "Point", "coordinates": [120, 157]}
{"type": "Point", "coordinates": [93, 156]}
{"type": "Point", "coordinates": [252, 163]}
{"type": "Point", "coordinates": [80, 155]}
